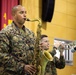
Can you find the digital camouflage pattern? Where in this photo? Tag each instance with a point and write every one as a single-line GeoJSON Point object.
{"type": "Point", "coordinates": [16, 49]}
{"type": "Point", "coordinates": [52, 65]}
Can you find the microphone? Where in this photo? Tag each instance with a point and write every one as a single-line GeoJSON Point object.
{"type": "Point", "coordinates": [73, 49]}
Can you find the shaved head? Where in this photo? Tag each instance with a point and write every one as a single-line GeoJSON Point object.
{"type": "Point", "coordinates": [15, 9]}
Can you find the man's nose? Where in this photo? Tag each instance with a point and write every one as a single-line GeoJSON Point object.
{"type": "Point", "coordinates": [24, 14]}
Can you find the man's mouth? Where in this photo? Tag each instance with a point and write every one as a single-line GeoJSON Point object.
{"type": "Point", "coordinates": [24, 18]}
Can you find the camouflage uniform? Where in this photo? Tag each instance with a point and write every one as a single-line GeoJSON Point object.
{"type": "Point", "coordinates": [52, 65]}
{"type": "Point", "coordinates": [16, 49]}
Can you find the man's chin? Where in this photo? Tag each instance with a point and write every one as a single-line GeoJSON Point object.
{"type": "Point", "coordinates": [22, 22]}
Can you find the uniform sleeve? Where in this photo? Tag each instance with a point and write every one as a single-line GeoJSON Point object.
{"type": "Point", "coordinates": [60, 63]}
{"type": "Point", "coordinates": [7, 61]}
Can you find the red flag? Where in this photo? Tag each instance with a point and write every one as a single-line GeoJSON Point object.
{"type": "Point", "coordinates": [5, 7]}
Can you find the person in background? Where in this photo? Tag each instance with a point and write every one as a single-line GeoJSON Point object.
{"type": "Point", "coordinates": [57, 62]}
{"type": "Point", "coordinates": [16, 46]}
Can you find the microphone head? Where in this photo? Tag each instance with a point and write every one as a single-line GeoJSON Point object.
{"type": "Point", "coordinates": [73, 50]}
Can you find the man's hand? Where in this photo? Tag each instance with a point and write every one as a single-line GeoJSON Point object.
{"type": "Point", "coordinates": [30, 69]}
{"type": "Point", "coordinates": [61, 48]}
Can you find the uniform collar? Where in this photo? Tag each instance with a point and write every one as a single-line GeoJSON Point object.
{"type": "Point", "coordinates": [18, 27]}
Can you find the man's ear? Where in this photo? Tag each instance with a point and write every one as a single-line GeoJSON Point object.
{"type": "Point", "coordinates": [13, 13]}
